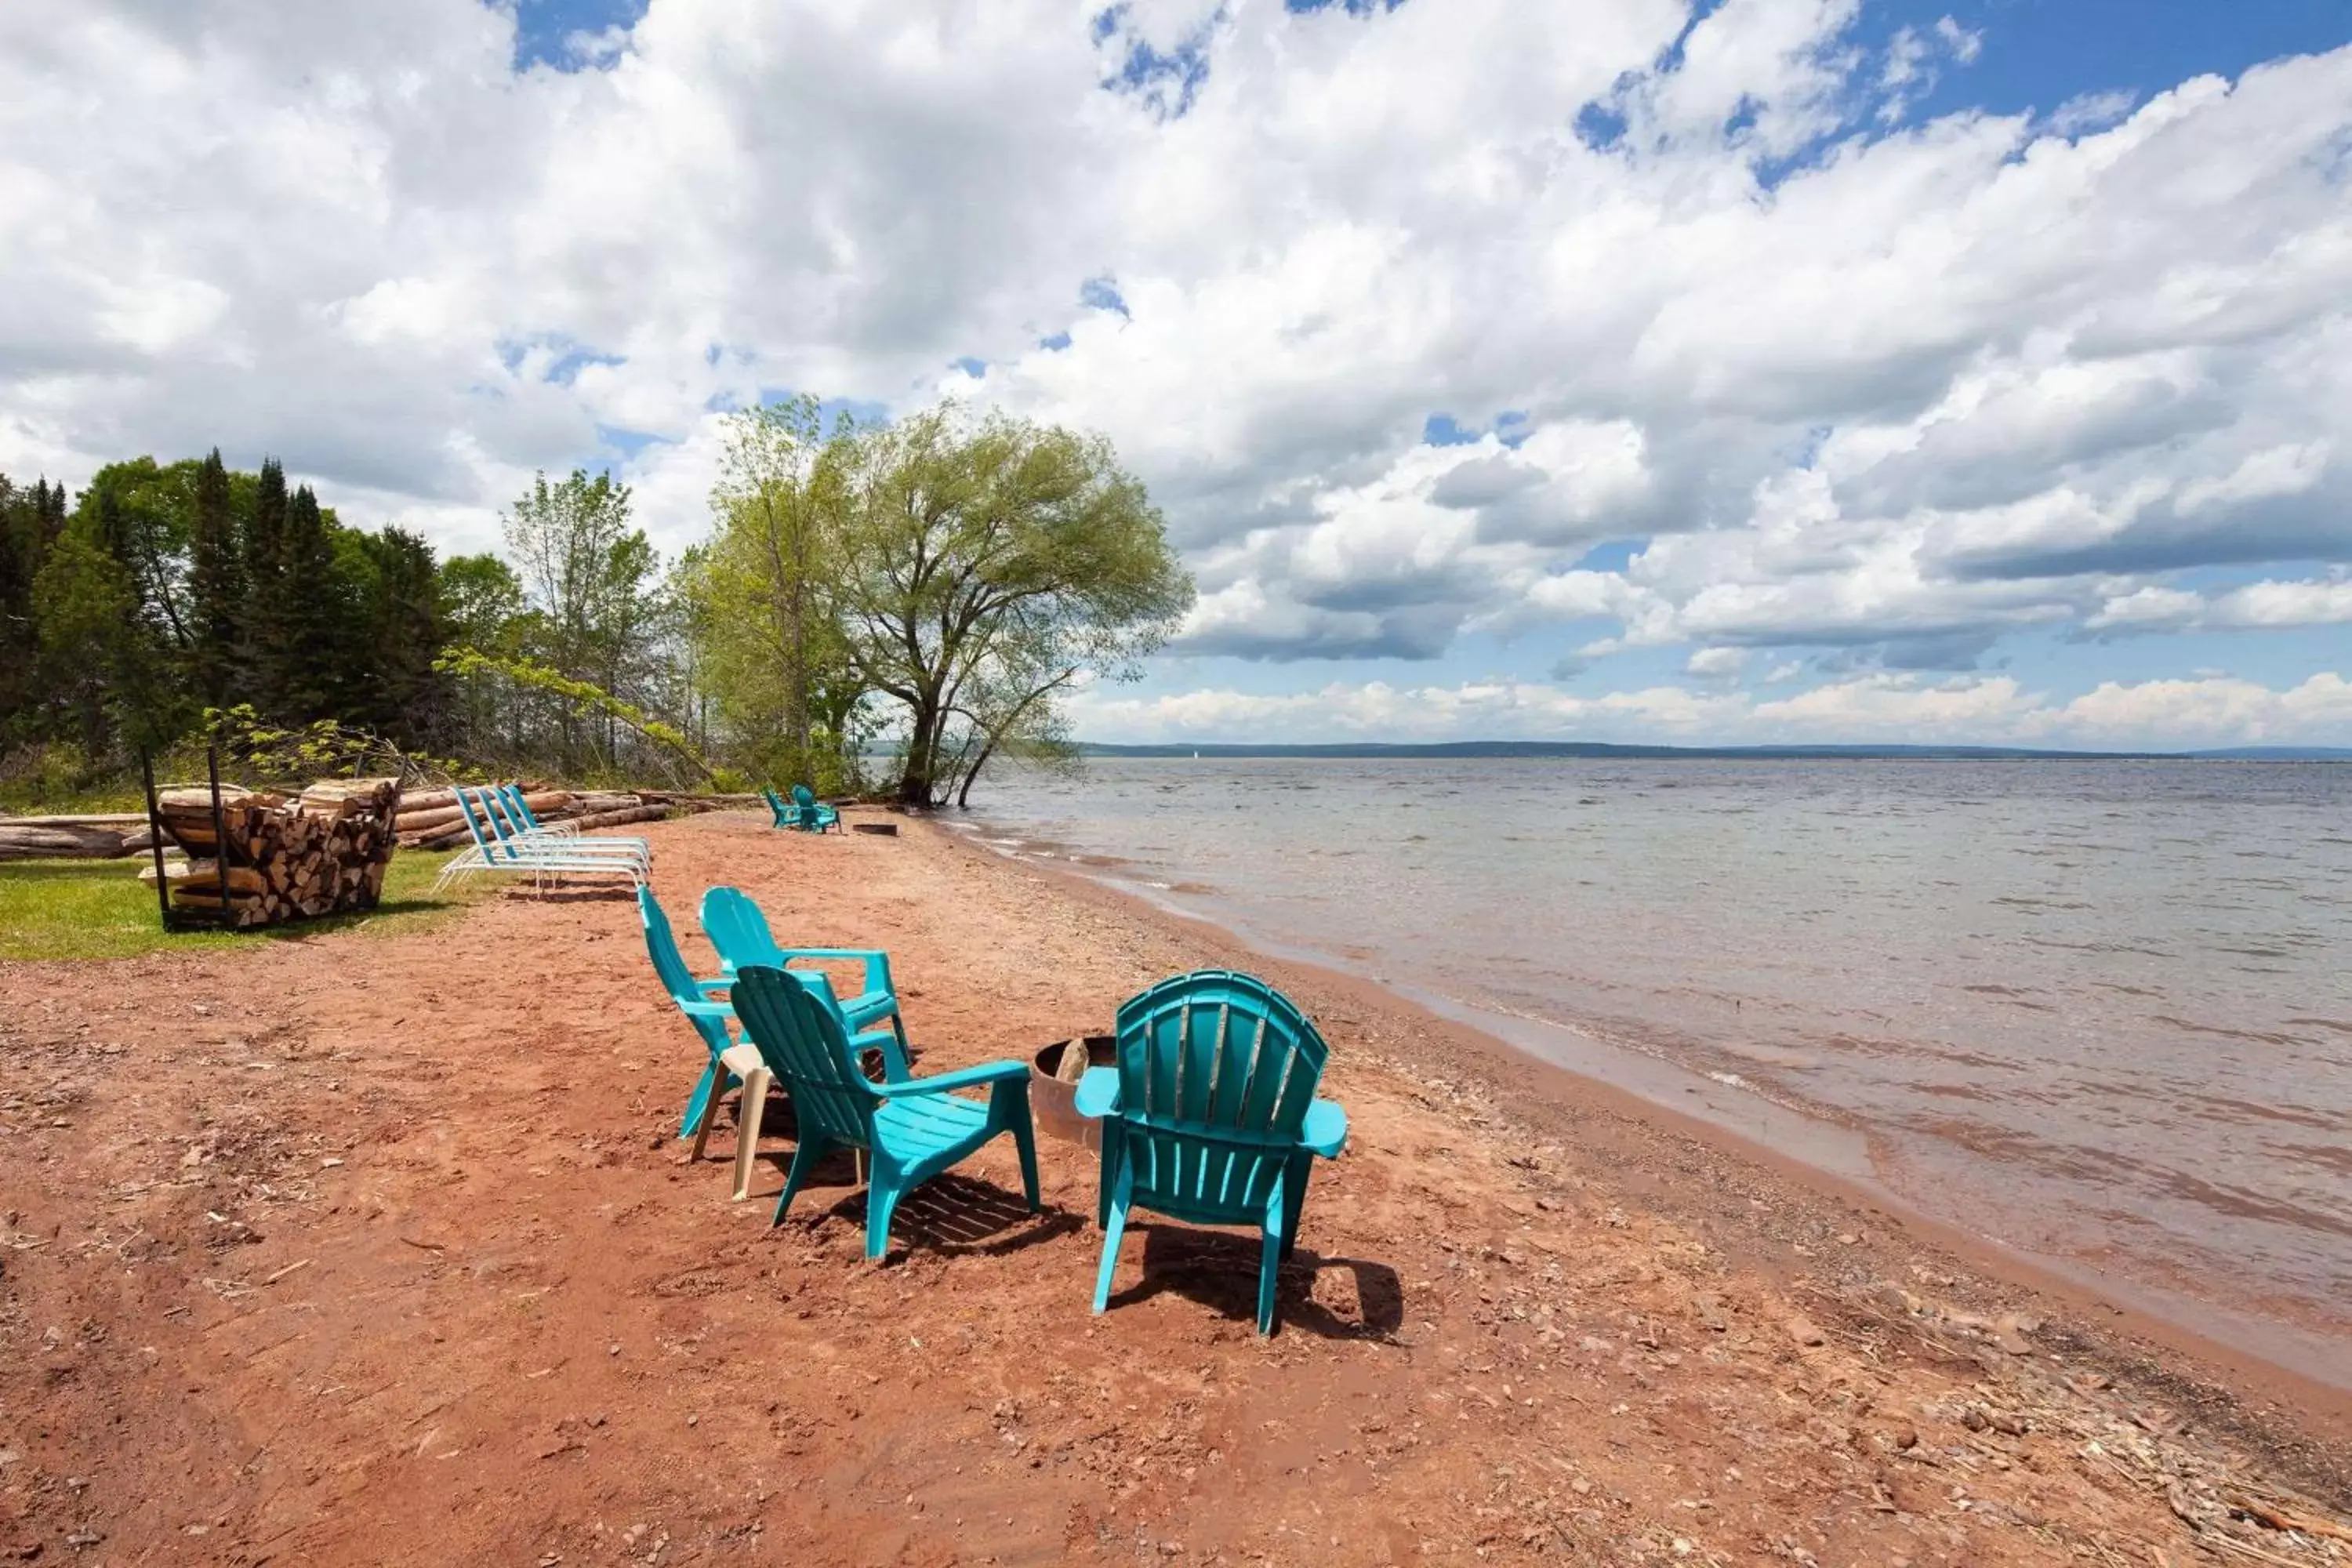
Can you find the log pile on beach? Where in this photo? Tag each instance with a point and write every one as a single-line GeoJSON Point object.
{"type": "Point", "coordinates": [283, 857]}
{"type": "Point", "coordinates": [430, 819]}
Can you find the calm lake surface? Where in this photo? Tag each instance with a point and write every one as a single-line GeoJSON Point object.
{"type": "Point", "coordinates": [2098, 1012]}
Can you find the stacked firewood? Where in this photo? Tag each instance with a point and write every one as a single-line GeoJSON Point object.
{"type": "Point", "coordinates": [284, 857]}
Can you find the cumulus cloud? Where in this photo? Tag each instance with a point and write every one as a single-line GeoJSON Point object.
{"type": "Point", "coordinates": [1701, 280]}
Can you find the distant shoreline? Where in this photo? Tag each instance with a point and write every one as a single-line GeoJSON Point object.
{"type": "Point", "coordinates": [1606, 750]}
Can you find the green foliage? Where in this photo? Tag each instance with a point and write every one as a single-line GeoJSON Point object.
{"type": "Point", "coordinates": [586, 699]}
{"type": "Point", "coordinates": [987, 565]}
{"type": "Point", "coordinates": [322, 749]}
{"type": "Point", "coordinates": [765, 645]}
{"type": "Point", "coordinates": [216, 586]}
{"type": "Point", "coordinates": [597, 618]}
{"type": "Point", "coordinates": [943, 580]}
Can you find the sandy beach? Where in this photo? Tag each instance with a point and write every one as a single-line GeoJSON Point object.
{"type": "Point", "coordinates": [382, 1249]}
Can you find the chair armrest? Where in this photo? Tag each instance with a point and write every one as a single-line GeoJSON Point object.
{"type": "Point", "coordinates": [1325, 1132]}
{"type": "Point", "coordinates": [1098, 1092]}
{"type": "Point", "coordinates": [877, 963]}
{"type": "Point", "coordinates": [964, 1078]}
{"type": "Point", "coordinates": [717, 983]}
{"type": "Point", "coordinates": [862, 1010]}
{"type": "Point", "coordinates": [724, 1011]}
{"type": "Point", "coordinates": [894, 1061]}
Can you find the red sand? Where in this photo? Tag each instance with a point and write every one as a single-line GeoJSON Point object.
{"type": "Point", "coordinates": [367, 1248]}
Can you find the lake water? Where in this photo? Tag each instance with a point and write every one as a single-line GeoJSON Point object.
{"type": "Point", "coordinates": [2098, 1012]}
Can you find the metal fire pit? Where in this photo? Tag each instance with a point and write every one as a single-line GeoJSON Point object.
{"type": "Point", "coordinates": [1053, 1104]}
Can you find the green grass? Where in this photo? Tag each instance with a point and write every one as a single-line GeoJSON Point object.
{"type": "Point", "coordinates": [100, 909]}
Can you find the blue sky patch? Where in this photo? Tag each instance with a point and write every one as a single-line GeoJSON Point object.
{"type": "Point", "coordinates": [546, 30]}
{"type": "Point", "coordinates": [1102, 294]}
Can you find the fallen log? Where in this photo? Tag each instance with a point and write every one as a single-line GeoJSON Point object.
{"type": "Point", "coordinates": [416, 821]}
{"type": "Point", "coordinates": [19, 842]}
{"type": "Point", "coordinates": [626, 815]}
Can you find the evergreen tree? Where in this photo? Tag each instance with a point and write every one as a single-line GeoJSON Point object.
{"type": "Point", "coordinates": [105, 655]}
{"type": "Point", "coordinates": [23, 544]}
{"type": "Point", "coordinates": [265, 574]}
{"type": "Point", "coordinates": [313, 675]}
{"type": "Point", "coordinates": [215, 603]}
{"type": "Point", "coordinates": [405, 698]}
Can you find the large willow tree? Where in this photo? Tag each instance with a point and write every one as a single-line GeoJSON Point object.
{"type": "Point", "coordinates": [980, 566]}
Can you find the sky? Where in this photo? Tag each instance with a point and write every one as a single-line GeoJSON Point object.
{"type": "Point", "coordinates": [1636, 370]}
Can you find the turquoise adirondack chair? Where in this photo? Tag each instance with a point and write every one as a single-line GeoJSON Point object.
{"type": "Point", "coordinates": [730, 1062]}
{"type": "Point", "coordinates": [909, 1132]}
{"type": "Point", "coordinates": [785, 817]}
{"type": "Point", "coordinates": [1210, 1115]}
{"type": "Point", "coordinates": [811, 815]}
{"type": "Point", "coordinates": [739, 931]}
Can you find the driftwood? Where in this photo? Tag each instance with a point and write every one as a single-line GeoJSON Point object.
{"type": "Point", "coordinates": [35, 838]}
{"type": "Point", "coordinates": [624, 814]}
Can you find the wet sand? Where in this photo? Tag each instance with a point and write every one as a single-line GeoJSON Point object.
{"type": "Point", "coordinates": [382, 1249]}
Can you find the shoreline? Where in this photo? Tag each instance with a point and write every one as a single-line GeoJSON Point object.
{"type": "Point", "coordinates": [2118, 1321]}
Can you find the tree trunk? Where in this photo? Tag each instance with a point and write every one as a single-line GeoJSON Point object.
{"type": "Point", "coordinates": [922, 755]}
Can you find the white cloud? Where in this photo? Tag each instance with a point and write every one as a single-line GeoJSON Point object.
{"type": "Point", "coordinates": [2258, 606]}
{"type": "Point", "coordinates": [1886, 707]}
{"type": "Point", "coordinates": [1895, 388]}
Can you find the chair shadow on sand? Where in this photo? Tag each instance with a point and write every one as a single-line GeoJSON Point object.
{"type": "Point", "coordinates": [951, 1214]}
{"type": "Point", "coordinates": [1219, 1270]}
{"type": "Point", "coordinates": [955, 1214]}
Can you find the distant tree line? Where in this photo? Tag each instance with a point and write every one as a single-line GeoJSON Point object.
{"type": "Point", "coordinates": [930, 588]}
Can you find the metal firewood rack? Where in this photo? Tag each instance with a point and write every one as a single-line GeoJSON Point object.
{"type": "Point", "coordinates": [176, 919]}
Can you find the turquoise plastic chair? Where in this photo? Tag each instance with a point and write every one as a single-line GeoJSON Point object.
{"type": "Point", "coordinates": [911, 1131]}
{"type": "Point", "coordinates": [811, 816]}
{"type": "Point", "coordinates": [497, 849]}
{"type": "Point", "coordinates": [739, 930]}
{"type": "Point", "coordinates": [520, 813]}
{"type": "Point", "coordinates": [784, 814]}
{"type": "Point", "coordinates": [1210, 1116]}
{"type": "Point", "coordinates": [709, 1017]}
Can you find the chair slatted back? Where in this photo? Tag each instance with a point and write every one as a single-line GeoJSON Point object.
{"type": "Point", "coordinates": [518, 808]}
{"type": "Point", "coordinates": [486, 837]}
{"type": "Point", "coordinates": [738, 929]}
{"type": "Point", "coordinates": [1217, 1072]}
{"type": "Point", "coordinates": [801, 1035]}
{"type": "Point", "coordinates": [661, 945]}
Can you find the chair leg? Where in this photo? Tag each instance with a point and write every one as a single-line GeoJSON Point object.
{"type": "Point", "coordinates": [1109, 1176]}
{"type": "Point", "coordinates": [702, 1126]}
{"type": "Point", "coordinates": [707, 1090]}
{"type": "Point", "coordinates": [1024, 1139]}
{"type": "Point", "coordinates": [1294, 1199]}
{"type": "Point", "coordinates": [1114, 1230]}
{"type": "Point", "coordinates": [881, 1202]}
{"type": "Point", "coordinates": [750, 1112]}
{"type": "Point", "coordinates": [807, 1154]}
{"type": "Point", "coordinates": [1276, 1247]}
